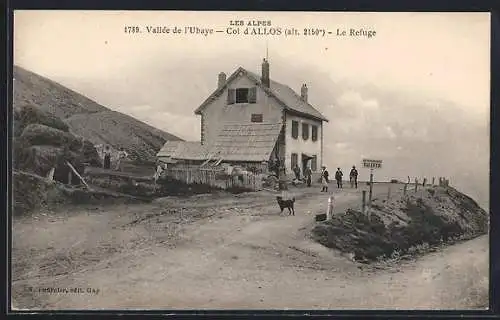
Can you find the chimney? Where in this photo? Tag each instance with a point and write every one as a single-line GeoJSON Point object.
{"type": "Point", "coordinates": [303, 92]}
{"type": "Point", "coordinates": [265, 73]}
{"type": "Point", "coordinates": [222, 80]}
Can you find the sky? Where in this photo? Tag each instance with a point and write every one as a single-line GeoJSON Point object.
{"type": "Point", "coordinates": [415, 95]}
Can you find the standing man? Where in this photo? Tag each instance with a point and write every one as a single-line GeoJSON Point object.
{"type": "Point", "coordinates": [338, 177]}
{"type": "Point", "coordinates": [159, 170]}
{"type": "Point", "coordinates": [277, 164]}
{"type": "Point", "coordinates": [353, 177]}
{"type": "Point", "coordinates": [324, 179]}
{"type": "Point", "coordinates": [107, 158]}
{"type": "Point", "coordinates": [296, 170]}
{"type": "Point", "coordinates": [308, 175]}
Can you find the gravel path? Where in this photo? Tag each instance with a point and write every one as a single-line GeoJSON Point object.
{"type": "Point", "coordinates": [233, 253]}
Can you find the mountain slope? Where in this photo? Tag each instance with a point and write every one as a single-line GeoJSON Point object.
{"type": "Point", "coordinates": [87, 118]}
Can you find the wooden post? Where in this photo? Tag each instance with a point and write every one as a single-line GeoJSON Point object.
{"type": "Point", "coordinates": [389, 192]}
{"type": "Point", "coordinates": [371, 188]}
{"type": "Point", "coordinates": [433, 180]}
{"type": "Point", "coordinates": [405, 189]}
{"type": "Point", "coordinates": [424, 182]}
{"type": "Point", "coordinates": [329, 211]}
{"type": "Point", "coordinates": [50, 175]}
{"type": "Point", "coordinates": [364, 202]}
{"type": "Point", "coordinates": [77, 174]}
{"type": "Point", "coordinates": [416, 184]}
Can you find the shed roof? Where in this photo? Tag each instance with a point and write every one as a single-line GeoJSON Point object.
{"type": "Point", "coordinates": [234, 142]}
{"type": "Point", "coordinates": [247, 142]}
{"type": "Point", "coordinates": [187, 150]}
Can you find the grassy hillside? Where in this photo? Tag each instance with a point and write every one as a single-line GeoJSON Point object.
{"type": "Point", "coordinates": [87, 118]}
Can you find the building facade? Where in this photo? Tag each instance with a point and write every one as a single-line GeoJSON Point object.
{"type": "Point", "coordinates": [250, 118]}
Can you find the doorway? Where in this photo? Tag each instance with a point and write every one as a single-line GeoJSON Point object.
{"type": "Point", "coordinates": [305, 158]}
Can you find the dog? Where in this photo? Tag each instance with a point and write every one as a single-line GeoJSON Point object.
{"type": "Point", "coordinates": [288, 204]}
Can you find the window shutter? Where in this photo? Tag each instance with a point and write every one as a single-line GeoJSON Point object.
{"type": "Point", "coordinates": [305, 131]}
{"type": "Point", "coordinates": [314, 133]}
{"type": "Point", "coordinates": [295, 159]}
{"type": "Point", "coordinates": [252, 95]}
{"type": "Point", "coordinates": [231, 96]}
{"type": "Point", "coordinates": [295, 129]}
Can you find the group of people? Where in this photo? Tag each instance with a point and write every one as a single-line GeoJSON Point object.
{"type": "Point", "coordinates": [353, 177]}
{"type": "Point", "coordinates": [307, 174]}
{"type": "Point", "coordinates": [325, 176]}
{"type": "Point", "coordinates": [122, 154]}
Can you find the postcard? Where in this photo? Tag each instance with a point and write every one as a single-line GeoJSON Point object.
{"type": "Point", "coordinates": [182, 160]}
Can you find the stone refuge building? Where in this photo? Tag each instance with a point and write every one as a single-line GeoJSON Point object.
{"type": "Point", "coordinates": [250, 121]}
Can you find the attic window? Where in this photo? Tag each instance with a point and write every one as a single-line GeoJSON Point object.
{"type": "Point", "coordinates": [242, 95]}
{"type": "Point", "coordinates": [256, 117]}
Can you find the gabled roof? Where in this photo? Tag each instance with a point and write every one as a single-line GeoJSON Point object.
{"type": "Point", "coordinates": [234, 142]}
{"type": "Point", "coordinates": [288, 98]}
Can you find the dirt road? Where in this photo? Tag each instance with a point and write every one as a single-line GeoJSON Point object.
{"type": "Point", "coordinates": [225, 253]}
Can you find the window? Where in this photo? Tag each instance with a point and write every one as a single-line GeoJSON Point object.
{"type": "Point", "coordinates": [305, 131]}
{"type": "Point", "coordinates": [256, 117]}
{"type": "Point", "coordinates": [295, 160]}
{"type": "Point", "coordinates": [242, 95]}
{"type": "Point", "coordinates": [295, 129]}
{"type": "Point", "coordinates": [314, 163]}
{"type": "Point", "coordinates": [314, 135]}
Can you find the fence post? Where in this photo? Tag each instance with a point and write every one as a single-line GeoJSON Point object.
{"type": "Point", "coordinates": [329, 213]}
{"type": "Point", "coordinates": [405, 189]}
{"type": "Point", "coordinates": [389, 192]}
{"type": "Point", "coordinates": [371, 188]}
{"type": "Point", "coordinates": [433, 180]}
{"type": "Point", "coordinates": [424, 182]}
{"type": "Point", "coordinates": [363, 202]}
{"type": "Point", "coordinates": [416, 184]}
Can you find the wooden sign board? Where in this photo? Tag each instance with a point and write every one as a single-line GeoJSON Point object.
{"type": "Point", "coordinates": [372, 164]}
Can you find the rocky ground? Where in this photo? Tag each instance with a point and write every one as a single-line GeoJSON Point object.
{"type": "Point", "coordinates": [225, 251]}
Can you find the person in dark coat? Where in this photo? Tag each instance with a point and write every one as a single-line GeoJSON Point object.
{"type": "Point", "coordinates": [308, 175]}
{"type": "Point", "coordinates": [296, 171]}
{"type": "Point", "coordinates": [338, 177]}
{"type": "Point", "coordinates": [107, 158]}
{"type": "Point", "coordinates": [324, 179]}
{"type": "Point", "coordinates": [277, 167]}
{"type": "Point", "coordinates": [353, 177]}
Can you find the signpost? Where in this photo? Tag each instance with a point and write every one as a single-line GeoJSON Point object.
{"type": "Point", "coordinates": [371, 164]}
